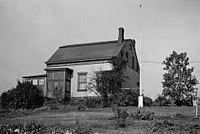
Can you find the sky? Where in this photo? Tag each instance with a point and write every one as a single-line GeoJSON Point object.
{"type": "Point", "coordinates": [32, 30]}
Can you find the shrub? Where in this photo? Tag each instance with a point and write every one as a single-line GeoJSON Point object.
{"type": "Point", "coordinates": [52, 104]}
{"type": "Point", "coordinates": [169, 126]}
{"type": "Point", "coordinates": [31, 127]}
{"type": "Point", "coordinates": [4, 100]}
{"type": "Point", "coordinates": [92, 102]}
{"type": "Point", "coordinates": [120, 115]}
{"type": "Point", "coordinates": [128, 97]}
{"type": "Point", "coordinates": [87, 102]}
{"type": "Point", "coordinates": [147, 101]}
{"type": "Point", "coordinates": [79, 129]}
{"type": "Point", "coordinates": [143, 115]}
{"type": "Point", "coordinates": [161, 101]}
{"type": "Point", "coordinates": [82, 107]}
{"type": "Point", "coordinates": [184, 102]}
{"type": "Point", "coordinates": [107, 83]}
{"type": "Point", "coordinates": [25, 95]}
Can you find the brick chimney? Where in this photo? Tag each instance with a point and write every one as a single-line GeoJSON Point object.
{"type": "Point", "coordinates": [121, 35]}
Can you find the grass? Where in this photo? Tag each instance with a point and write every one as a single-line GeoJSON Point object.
{"type": "Point", "coordinates": [100, 119]}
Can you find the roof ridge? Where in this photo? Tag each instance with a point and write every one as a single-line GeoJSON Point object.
{"type": "Point", "coordinates": [90, 43]}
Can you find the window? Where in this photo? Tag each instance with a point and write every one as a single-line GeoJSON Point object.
{"type": "Point", "coordinates": [35, 82]}
{"type": "Point", "coordinates": [127, 55]}
{"type": "Point", "coordinates": [55, 84]}
{"type": "Point", "coordinates": [122, 54]}
{"type": "Point", "coordinates": [130, 47]}
{"type": "Point", "coordinates": [138, 84]}
{"type": "Point", "coordinates": [82, 81]}
{"type": "Point", "coordinates": [133, 62]}
{"type": "Point", "coordinates": [137, 69]}
{"type": "Point", "coordinates": [41, 81]}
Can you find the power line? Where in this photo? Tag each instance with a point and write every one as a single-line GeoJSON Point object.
{"type": "Point", "coordinates": [194, 61]}
{"type": "Point", "coordinates": [158, 62]}
{"type": "Point", "coordinates": [10, 69]}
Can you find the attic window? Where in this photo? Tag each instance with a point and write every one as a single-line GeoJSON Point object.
{"type": "Point", "coordinates": [130, 47]}
{"type": "Point", "coordinates": [122, 54]}
{"type": "Point", "coordinates": [137, 69]}
{"type": "Point", "coordinates": [127, 55]}
{"type": "Point", "coordinates": [133, 62]}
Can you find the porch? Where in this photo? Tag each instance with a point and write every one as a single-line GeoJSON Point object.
{"type": "Point", "coordinates": [58, 83]}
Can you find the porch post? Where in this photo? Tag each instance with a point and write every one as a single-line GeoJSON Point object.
{"type": "Point", "coordinates": [45, 87]}
{"type": "Point", "coordinates": [64, 84]}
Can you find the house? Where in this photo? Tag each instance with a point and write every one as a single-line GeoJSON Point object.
{"type": "Point", "coordinates": [70, 68]}
{"type": "Point", "coordinates": [37, 80]}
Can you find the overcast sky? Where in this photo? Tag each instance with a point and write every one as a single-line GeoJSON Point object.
{"type": "Point", "coordinates": [32, 30]}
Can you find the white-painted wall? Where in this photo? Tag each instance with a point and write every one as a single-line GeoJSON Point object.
{"type": "Point", "coordinates": [90, 68]}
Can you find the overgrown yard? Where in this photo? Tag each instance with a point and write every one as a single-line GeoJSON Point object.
{"type": "Point", "coordinates": [100, 120]}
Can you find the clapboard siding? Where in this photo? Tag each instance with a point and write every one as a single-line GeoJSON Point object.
{"type": "Point", "coordinates": [129, 48]}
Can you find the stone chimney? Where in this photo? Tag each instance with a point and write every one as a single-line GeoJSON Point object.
{"type": "Point", "coordinates": [121, 35]}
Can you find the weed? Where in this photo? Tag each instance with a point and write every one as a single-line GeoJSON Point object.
{"type": "Point", "coordinates": [120, 115]}
{"type": "Point", "coordinates": [143, 115]}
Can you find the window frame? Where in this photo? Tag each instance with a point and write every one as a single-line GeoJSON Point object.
{"type": "Point", "coordinates": [127, 55]}
{"type": "Point", "coordinates": [78, 81]}
{"type": "Point", "coordinates": [130, 47]}
{"type": "Point", "coordinates": [122, 54]}
{"type": "Point", "coordinates": [133, 62]}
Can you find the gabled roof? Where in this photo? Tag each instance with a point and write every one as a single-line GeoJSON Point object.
{"type": "Point", "coordinates": [86, 52]}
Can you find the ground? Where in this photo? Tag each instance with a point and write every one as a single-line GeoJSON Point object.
{"type": "Point", "coordinates": [100, 120]}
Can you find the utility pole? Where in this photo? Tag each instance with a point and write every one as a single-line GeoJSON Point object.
{"type": "Point", "coordinates": [195, 102]}
{"type": "Point", "coordinates": [140, 98]}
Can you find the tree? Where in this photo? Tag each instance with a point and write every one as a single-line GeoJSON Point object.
{"type": "Point", "coordinates": [107, 84]}
{"type": "Point", "coordinates": [24, 95]}
{"type": "Point", "coordinates": [161, 101]}
{"type": "Point", "coordinates": [178, 81]}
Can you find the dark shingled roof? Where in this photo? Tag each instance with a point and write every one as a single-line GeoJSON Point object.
{"type": "Point", "coordinates": [86, 52]}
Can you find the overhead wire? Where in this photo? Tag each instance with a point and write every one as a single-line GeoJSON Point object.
{"type": "Point", "coordinates": [158, 62]}
{"type": "Point", "coordinates": [10, 69]}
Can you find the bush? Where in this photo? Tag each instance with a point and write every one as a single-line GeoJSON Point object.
{"type": "Point", "coordinates": [120, 115]}
{"type": "Point", "coordinates": [79, 129]}
{"type": "Point", "coordinates": [25, 95]}
{"type": "Point", "coordinates": [143, 115]}
{"type": "Point", "coordinates": [128, 97]}
{"type": "Point", "coordinates": [92, 102]}
{"type": "Point", "coordinates": [161, 101]}
{"type": "Point", "coordinates": [82, 107]}
{"type": "Point", "coordinates": [147, 101]}
{"type": "Point", "coordinates": [169, 126]}
{"type": "Point", "coordinates": [52, 104]}
{"type": "Point", "coordinates": [184, 102]}
{"type": "Point", "coordinates": [31, 127]}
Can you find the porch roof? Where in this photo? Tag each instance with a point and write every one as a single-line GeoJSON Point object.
{"type": "Point", "coordinates": [35, 76]}
{"type": "Point", "coordinates": [58, 69]}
